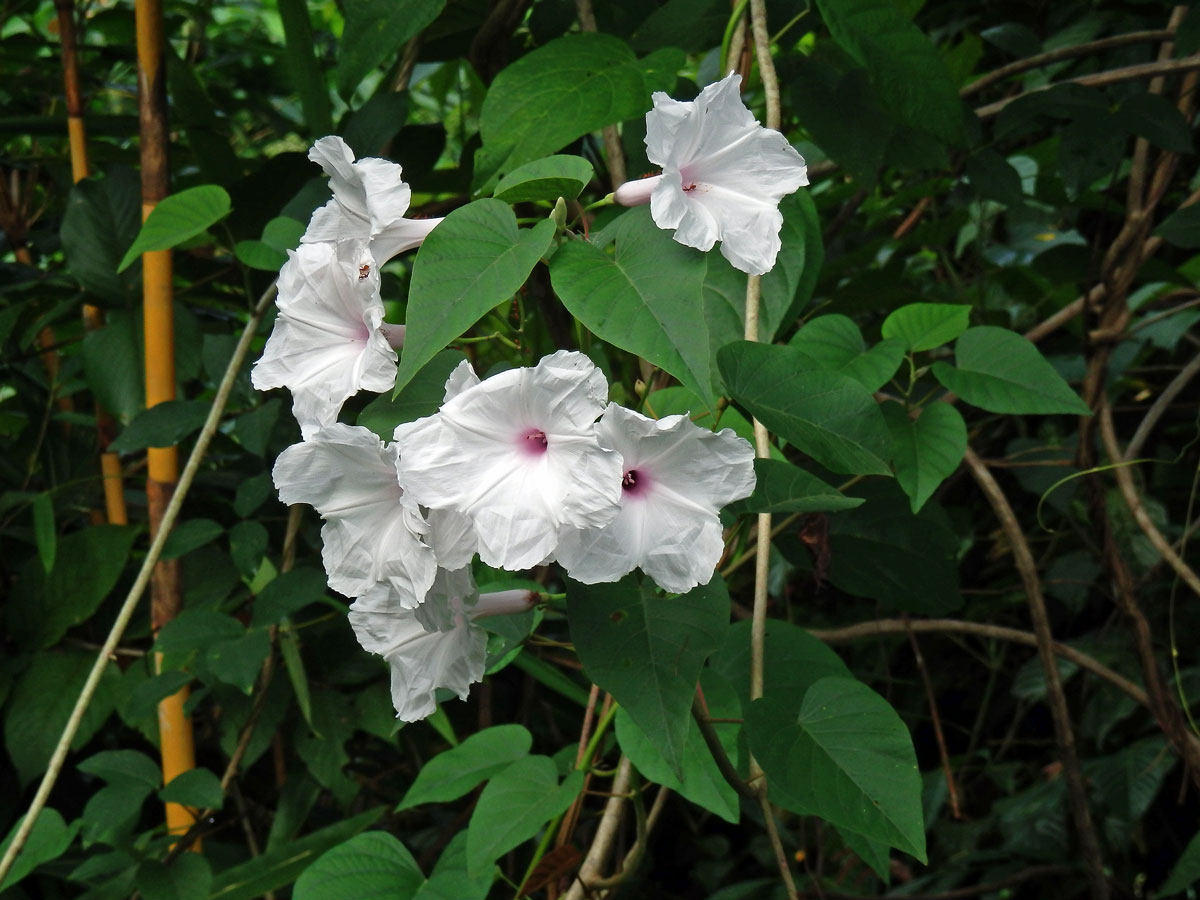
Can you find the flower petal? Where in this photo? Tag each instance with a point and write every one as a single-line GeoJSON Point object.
{"type": "Point", "coordinates": [422, 660]}
{"type": "Point", "coordinates": [676, 476]}
{"type": "Point", "coordinates": [372, 532]}
{"type": "Point", "coordinates": [327, 343]}
{"type": "Point", "coordinates": [517, 453]}
{"type": "Point", "coordinates": [723, 175]}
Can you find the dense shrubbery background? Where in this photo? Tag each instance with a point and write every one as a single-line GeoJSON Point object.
{"type": "Point", "coordinates": [1053, 199]}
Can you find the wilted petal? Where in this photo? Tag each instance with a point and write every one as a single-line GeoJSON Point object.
{"type": "Point", "coordinates": [517, 453]}
{"type": "Point", "coordinates": [327, 343]}
{"type": "Point", "coordinates": [676, 478]}
{"type": "Point", "coordinates": [448, 651]}
{"type": "Point", "coordinates": [372, 532]}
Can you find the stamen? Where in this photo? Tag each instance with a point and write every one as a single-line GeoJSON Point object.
{"type": "Point", "coordinates": [534, 441]}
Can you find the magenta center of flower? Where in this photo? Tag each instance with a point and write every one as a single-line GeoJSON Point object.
{"type": "Point", "coordinates": [635, 483]}
{"type": "Point", "coordinates": [533, 441]}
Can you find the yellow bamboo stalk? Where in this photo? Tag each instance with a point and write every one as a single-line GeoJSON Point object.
{"type": "Point", "coordinates": [175, 729]}
{"type": "Point", "coordinates": [93, 316]}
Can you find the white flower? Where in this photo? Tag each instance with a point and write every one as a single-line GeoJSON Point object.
{"type": "Point", "coordinates": [517, 453]}
{"type": "Point", "coordinates": [436, 645]}
{"type": "Point", "coordinates": [373, 530]}
{"type": "Point", "coordinates": [369, 203]}
{"type": "Point", "coordinates": [723, 175]}
{"type": "Point", "coordinates": [329, 341]}
{"type": "Point", "coordinates": [676, 478]}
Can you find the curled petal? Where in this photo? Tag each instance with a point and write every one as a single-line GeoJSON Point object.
{"type": "Point", "coordinates": [373, 532]}
{"type": "Point", "coordinates": [327, 343]}
{"type": "Point", "coordinates": [369, 201]}
{"type": "Point", "coordinates": [424, 657]}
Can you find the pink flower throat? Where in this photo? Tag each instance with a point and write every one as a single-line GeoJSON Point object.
{"type": "Point", "coordinates": [634, 483]}
{"type": "Point", "coordinates": [534, 441]}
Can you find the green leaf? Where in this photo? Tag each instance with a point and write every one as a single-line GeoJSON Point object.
{"type": "Point", "coordinates": [177, 218]}
{"type": "Point", "coordinates": [238, 661]}
{"type": "Point", "coordinates": [782, 487]}
{"type": "Point", "coordinates": [48, 840]}
{"type": "Point", "coordinates": [374, 30]}
{"type": "Point", "coordinates": [87, 565]}
{"type": "Point", "coordinates": [829, 416]}
{"type": "Point", "coordinates": [198, 788]}
{"type": "Point", "coordinates": [44, 534]}
{"type": "Point", "coordinates": [188, 878]}
{"type": "Point", "coordinates": [792, 660]}
{"type": "Point", "coordinates": [647, 650]}
{"type": "Point", "coordinates": [994, 179]}
{"type": "Point", "coordinates": [561, 91]}
{"type": "Point", "coordinates": [874, 853]}
{"type": "Point", "coordinates": [514, 806]}
{"type": "Point", "coordinates": [1182, 227]}
{"type": "Point", "coordinates": [700, 780]}
{"type": "Point", "coordinates": [143, 700]}
{"type": "Point", "coordinates": [1156, 119]}
{"type": "Point", "coordinates": [289, 593]}
{"type": "Point", "coordinates": [196, 629]}
{"type": "Point", "coordinates": [923, 326]}
{"type": "Point", "coordinates": [422, 396]}
{"type": "Point", "coordinates": [41, 703]}
{"type": "Point", "coordinates": [370, 866]}
{"type": "Point", "coordinates": [925, 450]}
{"type": "Point", "coordinates": [281, 865]}
{"type": "Point", "coordinates": [257, 255]}
{"type": "Point", "coordinates": [304, 67]}
{"type": "Point", "coordinates": [473, 261]}
{"type": "Point", "coordinates": [545, 179]}
{"type": "Point", "coordinates": [457, 771]}
{"type": "Point", "coordinates": [102, 218]}
{"type": "Point", "coordinates": [645, 297]}
{"type": "Point", "coordinates": [253, 429]}
{"type": "Point", "coordinates": [1002, 372]}
{"type": "Point", "coordinates": [449, 879]}
{"type": "Point", "coordinates": [123, 765]}
{"type": "Point", "coordinates": [1186, 870]}
{"type": "Point", "coordinates": [162, 425]}
{"type": "Point", "coordinates": [882, 551]}
{"type": "Point", "coordinates": [846, 757]}
{"type": "Point", "coordinates": [191, 535]}
{"type": "Point", "coordinates": [906, 69]}
{"type": "Point", "coordinates": [836, 343]}
{"type": "Point", "coordinates": [112, 365]}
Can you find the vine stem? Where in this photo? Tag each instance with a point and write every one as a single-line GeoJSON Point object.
{"type": "Point", "coordinates": [1089, 844]}
{"type": "Point", "coordinates": [1103, 79]}
{"type": "Point", "coordinates": [170, 514]}
{"type": "Point", "coordinates": [762, 449]}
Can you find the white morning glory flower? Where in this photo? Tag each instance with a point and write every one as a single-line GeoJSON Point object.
{"type": "Point", "coordinates": [372, 536]}
{"type": "Point", "coordinates": [369, 202]}
{"type": "Point", "coordinates": [517, 453]}
{"type": "Point", "coordinates": [330, 340]}
{"type": "Point", "coordinates": [723, 175]}
{"type": "Point", "coordinates": [437, 645]}
{"type": "Point", "coordinates": [676, 478]}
